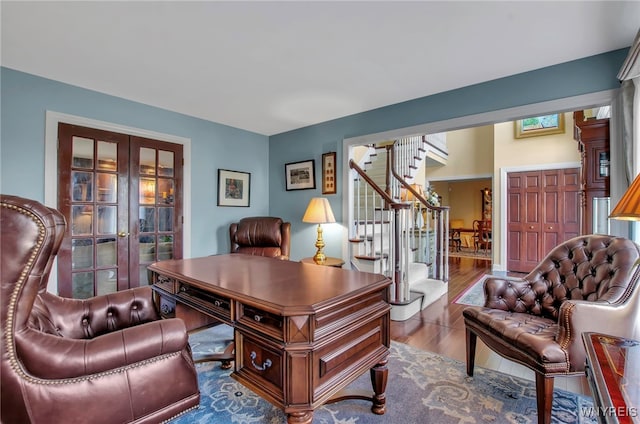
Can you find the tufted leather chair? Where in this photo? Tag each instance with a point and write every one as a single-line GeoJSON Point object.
{"type": "Point", "coordinates": [261, 236]}
{"type": "Point", "coordinates": [588, 283]}
{"type": "Point", "coordinates": [106, 359]}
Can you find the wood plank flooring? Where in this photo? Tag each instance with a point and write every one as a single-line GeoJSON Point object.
{"type": "Point", "coordinates": [439, 328]}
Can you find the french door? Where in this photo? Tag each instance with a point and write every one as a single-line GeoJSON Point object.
{"type": "Point", "coordinates": [122, 198]}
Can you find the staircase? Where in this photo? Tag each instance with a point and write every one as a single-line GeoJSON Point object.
{"type": "Point", "coordinates": [395, 230]}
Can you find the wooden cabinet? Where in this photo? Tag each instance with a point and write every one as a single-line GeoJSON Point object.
{"type": "Point", "coordinates": [593, 142]}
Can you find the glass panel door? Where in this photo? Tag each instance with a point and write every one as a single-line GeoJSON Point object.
{"type": "Point", "coordinates": [120, 196]}
{"type": "Point", "coordinates": [157, 168]}
{"type": "Point", "coordinates": [93, 257]}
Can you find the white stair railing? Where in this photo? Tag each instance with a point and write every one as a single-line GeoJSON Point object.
{"type": "Point", "coordinates": [390, 232]}
{"type": "Point", "coordinates": [381, 225]}
{"type": "Point", "coordinates": [409, 151]}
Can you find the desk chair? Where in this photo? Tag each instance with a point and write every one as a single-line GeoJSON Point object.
{"type": "Point", "coordinates": [258, 236]}
{"type": "Point", "coordinates": [261, 236]}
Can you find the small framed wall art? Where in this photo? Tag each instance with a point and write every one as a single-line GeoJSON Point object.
{"type": "Point", "coordinates": [233, 188]}
{"type": "Point", "coordinates": [539, 125]}
{"type": "Point", "coordinates": [300, 175]}
{"type": "Point", "coordinates": [329, 176]}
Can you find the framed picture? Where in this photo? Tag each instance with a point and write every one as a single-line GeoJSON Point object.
{"type": "Point", "coordinates": [233, 188]}
{"type": "Point", "coordinates": [539, 125]}
{"type": "Point", "coordinates": [300, 175]}
{"type": "Point", "coordinates": [329, 176]}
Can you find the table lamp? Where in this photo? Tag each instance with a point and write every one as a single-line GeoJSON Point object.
{"type": "Point", "coordinates": [406, 195]}
{"type": "Point", "coordinates": [628, 208]}
{"type": "Point", "coordinates": [319, 212]}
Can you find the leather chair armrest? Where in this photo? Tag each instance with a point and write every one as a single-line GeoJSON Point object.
{"type": "Point", "coordinates": [578, 316]}
{"type": "Point", "coordinates": [48, 356]}
{"type": "Point", "coordinates": [509, 294]}
{"type": "Point", "coordinates": [233, 229]}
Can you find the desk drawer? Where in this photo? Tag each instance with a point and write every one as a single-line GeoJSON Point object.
{"type": "Point", "coordinates": [165, 283]}
{"type": "Point", "coordinates": [263, 364]}
{"type": "Point", "coordinates": [262, 321]}
{"type": "Point", "coordinates": [210, 303]}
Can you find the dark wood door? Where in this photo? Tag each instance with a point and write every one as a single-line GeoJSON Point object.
{"type": "Point", "coordinates": [542, 211]}
{"type": "Point", "coordinates": [121, 197]}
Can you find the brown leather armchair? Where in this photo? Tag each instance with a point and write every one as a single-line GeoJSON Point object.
{"type": "Point", "coordinates": [261, 236]}
{"type": "Point", "coordinates": [588, 283]}
{"type": "Point", "coordinates": [106, 359]}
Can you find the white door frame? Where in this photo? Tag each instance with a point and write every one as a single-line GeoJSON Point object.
{"type": "Point", "coordinates": [51, 169]}
{"type": "Point", "coordinates": [584, 101]}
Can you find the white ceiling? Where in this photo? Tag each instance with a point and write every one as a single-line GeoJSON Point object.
{"type": "Point", "coordinates": [271, 67]}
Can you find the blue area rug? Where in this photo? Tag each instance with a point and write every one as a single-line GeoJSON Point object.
{"type": "Point", "coordinates": [474, 294]}
{"type": "Point", "coordinates": [422, 388]}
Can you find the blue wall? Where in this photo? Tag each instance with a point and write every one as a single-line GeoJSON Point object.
{"type": "Point", "coordinates": [26, 98]}
{"type": "Point", "coordinates": [587, 75]}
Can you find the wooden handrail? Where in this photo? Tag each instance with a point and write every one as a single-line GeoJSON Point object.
{"type": "Point", "coordinates": [387, 198]}
{"type": "Point", "coordinates": [413, 191]}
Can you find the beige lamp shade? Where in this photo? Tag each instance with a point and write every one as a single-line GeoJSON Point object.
{"type": "Point", "coordinates": [628, 208]}
{"type": "Point", "coordinates": [407, 195]}
{"type": "Point", "coordinates": [319, 211]}
{"type": "Point", "coordinates": [457, 223]}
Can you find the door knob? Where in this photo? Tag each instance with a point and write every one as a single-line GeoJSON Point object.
{"type": "Point", "coordinates": [122, 234]}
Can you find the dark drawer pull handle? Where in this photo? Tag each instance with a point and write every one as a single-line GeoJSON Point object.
{"type": "Point", "coordinates": [258, 318]}
{"type": "Point", "coordinates": [263, 367]}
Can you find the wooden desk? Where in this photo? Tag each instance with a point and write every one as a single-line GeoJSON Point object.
{"type": "Point", "coordinates": [613, 371]}
{"type": "Point", "coordinates": [302, 333]}
{"type": "Point", "coordinates": [334, 262]}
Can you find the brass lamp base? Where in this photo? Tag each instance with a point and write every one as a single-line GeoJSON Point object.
{"type": "Point", "coordinates": [319, 257]}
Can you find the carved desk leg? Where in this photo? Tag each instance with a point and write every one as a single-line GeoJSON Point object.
{"type": "Point", "coordinates": [379, 374]}
{"type": "Point", "coordinates": [305, 417]}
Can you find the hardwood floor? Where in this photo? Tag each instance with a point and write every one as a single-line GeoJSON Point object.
{"type": "Point", "coordinates": [439, 328]}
